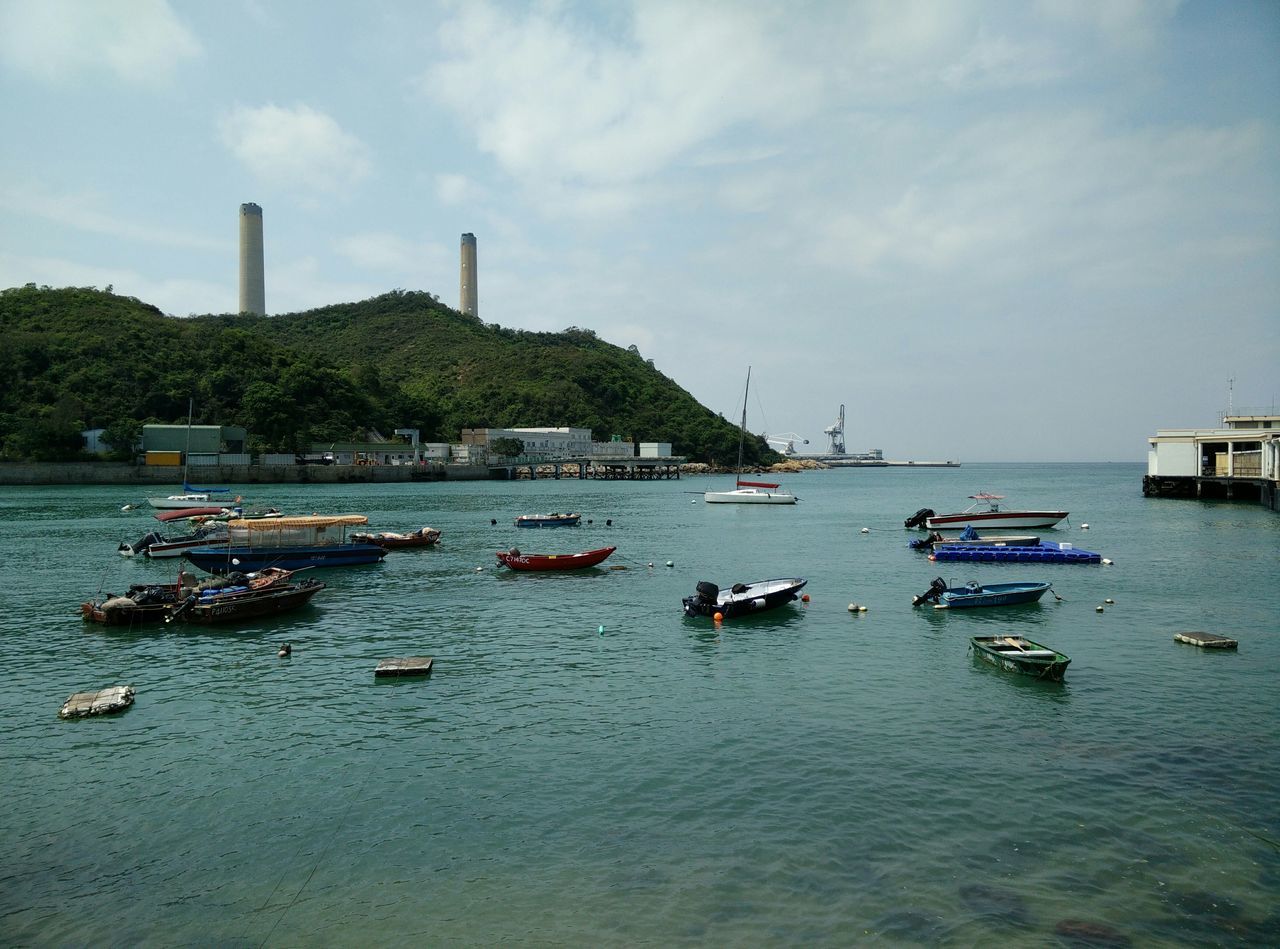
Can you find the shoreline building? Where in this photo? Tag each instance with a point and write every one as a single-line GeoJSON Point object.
{"type": "Point", "coordinates": [1239, 461]}
{"type": "Point", "coordinates": [468, 294]}
{"type": "Point", "coordinates": [253, 291]}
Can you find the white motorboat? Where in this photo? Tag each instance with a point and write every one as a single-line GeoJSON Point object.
{"type": "Point", "coordinates": [986, 514]}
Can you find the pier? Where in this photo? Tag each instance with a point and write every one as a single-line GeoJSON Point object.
{"type": "Point", "coordinates": [583, 468]}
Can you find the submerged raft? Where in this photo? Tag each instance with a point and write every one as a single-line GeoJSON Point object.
{"type": "Point", "coordinates": [1040, 553]}
{"type": "Point", "coordinates": [1206, 640]}
{"type": "Point", "coordinates": [410, 666]}
{"type": "Point", "coordinates": [116, 698]}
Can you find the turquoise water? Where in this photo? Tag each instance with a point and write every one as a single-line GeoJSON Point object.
{"type": "Point", "coordinates": [809, 776]}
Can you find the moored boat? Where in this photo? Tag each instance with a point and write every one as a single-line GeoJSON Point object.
{"type": "Point", "coordinates": [985, 512]}
{"type": "Point", "coordinates": [1021, 655]}
{"type": "Point", "coordinates": [230, 604]}
{"type": "Point", "coordinates": [974, 593]}
{"type": "Point", "coordinates": [157, 602]}
{"type": "Point", "coordinates": [548, 520]}
{"type": "Point", "coordinates": [395, 540]}
{"type": "Point", "coordinates": [157, 545]}
{"type": "Point", "coordinates": [514, 559]}
{"type": "Point", "coordinates": [742, 599]}
{"type": "Point", "coordinates": [972, 538]}
{"type": "Point", "coordinates": [288, 542]}
{"type": "Point", "coordinates": [749, 492]}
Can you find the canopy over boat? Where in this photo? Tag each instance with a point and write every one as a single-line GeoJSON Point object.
{"type": "Point", "coordinates": [308, 520]}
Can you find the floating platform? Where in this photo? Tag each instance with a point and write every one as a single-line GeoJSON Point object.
{"type": "Point", "coordinates": [1206, 640]}
{"type": "Point", "coordinates": [410, 666]}
{"type": "Point", "coordinates": [116, 698]}
{"type": "Point", "coordinates": [1041, 553]}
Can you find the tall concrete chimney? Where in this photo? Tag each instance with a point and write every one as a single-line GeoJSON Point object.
{"type": "Point", "coordinates": [468, 300]}
{"type": "Point", "coordinates": [253, 291]}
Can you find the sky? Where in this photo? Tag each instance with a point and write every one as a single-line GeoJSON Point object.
{"type": "Point", "coordinates": [1035, 230]}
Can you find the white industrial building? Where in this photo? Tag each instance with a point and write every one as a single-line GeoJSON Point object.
{"type": "Point", "coordinates": [1232, 461]}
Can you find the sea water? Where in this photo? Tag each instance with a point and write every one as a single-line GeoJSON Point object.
{"type": "Point", "coordinates": [587, 766]}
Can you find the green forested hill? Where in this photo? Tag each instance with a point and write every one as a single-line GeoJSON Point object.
{"type": "Point", "coordinates": [79, 358]}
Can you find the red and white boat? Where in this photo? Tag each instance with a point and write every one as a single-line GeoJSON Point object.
{"type": "Point", "coordinates": [986, 513]}
{"type": "Point", "coordinates": [588, 558]}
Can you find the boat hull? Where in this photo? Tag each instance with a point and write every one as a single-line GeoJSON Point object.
{"type": "Point", "coordinates": [748, 496]}
{"type": "Point", "coordinates": [1022, 656]}
{"type": "Point", "coordinates": [245, 559]}
{"type": "Point", "coordinates": [979, 520]}
{"type": "Point", "coordinates": [426, 537]}
{"type": "Point", "coordinates": [176, 502]}
{"type": "Point", "coordinates": [992, 594]}
{"type": "Point", "coordinates": [538, 562]}
{"type": "Point", "coordinates": [743, 599]}
{"type": "Point", "coordinates": [548, 520]}
{"type": "Point", "coordinates": [266, 602]}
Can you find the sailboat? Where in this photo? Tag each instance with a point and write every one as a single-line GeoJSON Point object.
{"type": "Point", "coordinates": [749, 492]}
{"type": "Point", "coordinates": [192, 496]}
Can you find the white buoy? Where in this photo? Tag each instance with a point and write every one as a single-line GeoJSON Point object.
{"type": "Point", "coordinates": [862, 609]}
{"type": "Point", "coordinates": [670, 563]}
{"type": "Point", "coordinates": [1107, 562]}
{"type": "Point", "coordinates": [478, 569]}
{"type": "Point", "coordinates": [1084, 527]}
{"type": "Point", "coordinates": [865, 530]}
{"type": "Point", "coordinates": [1098, 609]}
{"type": "Point", "coordinates": [1108, 600]}
{"type": "Point", "coordinates": [853, 607]}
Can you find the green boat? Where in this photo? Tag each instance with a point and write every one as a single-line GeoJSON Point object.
{"type": "Point", "coordinates": [1018, 654]}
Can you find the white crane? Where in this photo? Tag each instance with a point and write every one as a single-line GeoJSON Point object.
{"type": "Point", "coordinates": [836, 434]}
{"type": "Point", "coordinates": [785, 442]}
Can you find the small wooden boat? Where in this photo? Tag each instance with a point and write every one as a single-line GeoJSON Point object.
{"type": "Point", "coordinates": [394, 540]}
{"type": "Point", "coordinates": [1021, 655]}
{"type": "Point", "coordinates": [742, 599]}
{"type": "Point", "coordinates": [974, 593]}
{"type": "Point", "coordinates": [548, 520]}
{"type": "Point", "coordinates": [159, 602]}
{"type": "Point", "coordinates": [588, 558]}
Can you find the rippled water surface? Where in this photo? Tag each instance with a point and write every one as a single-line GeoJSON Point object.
{"type": "Point", "coordinates": [586, 766]}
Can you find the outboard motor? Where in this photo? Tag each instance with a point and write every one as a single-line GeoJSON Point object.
{"type": "Point", "coordinates": [138, 546]}
{"type": "Point", "coordinates": [707, 591]}
{"type": "Point", "coordinates": [936, 589]}
{"type": "Point", "coordinates": [918, 518]}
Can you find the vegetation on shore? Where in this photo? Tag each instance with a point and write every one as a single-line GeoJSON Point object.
{"type": "Point", "coordinates": [79, 358]}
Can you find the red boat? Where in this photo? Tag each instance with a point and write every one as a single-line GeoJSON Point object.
{"type": "Point", "coordinates": [588, 558]}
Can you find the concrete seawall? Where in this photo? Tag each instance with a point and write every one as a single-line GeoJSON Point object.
{"type": "Point", "coordinates": [171, 476]}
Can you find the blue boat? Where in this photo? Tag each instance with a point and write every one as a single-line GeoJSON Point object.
{"type": "Point", "coordinates": [548, 520]}
{"type": "Point", "coordinates": [974, 593]}
{"type": "Point", "coordinates": [1040, 553]}
{"type": "Point", "coordinates": [288, 542]}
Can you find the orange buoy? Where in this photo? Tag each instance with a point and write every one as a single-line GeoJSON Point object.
{"type": "Point", "coordinates": [718, 617]}
{"type": "Point", "coordinates": [804, 598]}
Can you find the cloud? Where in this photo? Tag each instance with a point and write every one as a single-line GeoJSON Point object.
{"type": "Point", "coordinates": [454, 190]}
{"type": "Point", "coordinates": [559, 105]}
{"type": "Point", "coordinates": [139, 41]}
{"type": "Point", "coordinates": [299, 148]}
{"type": "Point", "coordinates": [174, 295]}
{"type": "Point", "coordinates": [83, 211]}
{"type": "Point", "coordinates": [390, 253]}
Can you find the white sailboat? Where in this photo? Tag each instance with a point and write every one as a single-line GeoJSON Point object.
{"type": "Point", "coordinates": [749, 492]}
{"type": "Point", "coordinates": [192, 495]}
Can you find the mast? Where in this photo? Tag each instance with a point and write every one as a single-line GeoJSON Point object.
{"type": "Point", "coordinates": [186, 455]}
{"type": "Point", "coordinates": [742, 431]}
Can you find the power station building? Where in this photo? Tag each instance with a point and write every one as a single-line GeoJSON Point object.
{"type": "Point", "coordinates": [468, 301]}
{"type": "Point", "coordinates": [253, 290]}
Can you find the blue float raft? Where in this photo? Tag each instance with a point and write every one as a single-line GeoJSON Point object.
{"type": "Point", "coordinates": [1041, 553]}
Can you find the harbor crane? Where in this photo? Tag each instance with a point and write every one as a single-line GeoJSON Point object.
{"type": "Point", "coordinates": [785, 442]}
{"type": "Point", "coordinates": [836, 434]}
